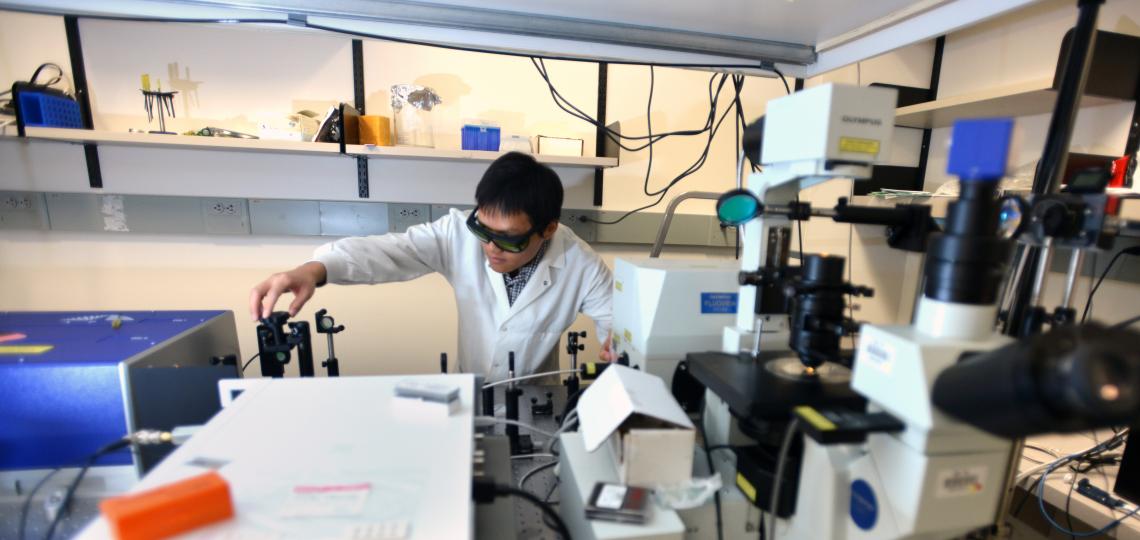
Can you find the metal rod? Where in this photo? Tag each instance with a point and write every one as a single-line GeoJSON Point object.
{"type": "Point", "coordinates": [1073, 78]}
{"type": "Point", "coordinates": [663, 230]}
{"type": "Point", "coordinates": [1015, 279]}
{"type": "Point", "coordinates": [1053, 159]}
{"type": "Point", "coordinates": [740, 170]}
{"type": "Point", "coordinates": [1042, 272]}
{"type": "Point", "coordinates": [1076, 261]}
{"type": "Point", "coordinates": [1010, 488]}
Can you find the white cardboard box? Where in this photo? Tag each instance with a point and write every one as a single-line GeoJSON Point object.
{"type": "Point", "coordinates": [558, 146]}
{"type": "Point", "coordinates": [634, 415]}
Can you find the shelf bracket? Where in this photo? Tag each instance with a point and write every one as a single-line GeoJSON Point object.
{"type": "Point", "coordinates": [82, 96]}
{"type": "Point", "coordinates": [362, 183]}
{"type": "Point", "coordinates": [362, 177]}
{"type": "Point", "coordinates": [600, 136]}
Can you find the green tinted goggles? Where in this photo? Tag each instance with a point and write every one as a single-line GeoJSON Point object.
{"type": "Point", "coordinates": [505, 242]}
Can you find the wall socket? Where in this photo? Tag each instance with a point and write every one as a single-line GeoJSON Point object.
{"type": "Point", "coordinates": [224, 208]}
{"type": "Point", "coordinates": [22, 210]}
{"type": "Point", "coordinates": [401, 216]}
{"type": "Point", "coordinates": [225, 216]}
{"type": "Point", "coordinates": [16, 202]}
{"type": "Point", "coordinates": [580, 222]}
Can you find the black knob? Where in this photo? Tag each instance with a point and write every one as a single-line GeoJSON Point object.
{"type": "Point", "coordinates": [533, 401]}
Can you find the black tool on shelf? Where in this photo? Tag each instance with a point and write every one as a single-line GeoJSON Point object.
{"type": "Point", "coordinates": [274, 344]}
{"type": "Point", "coordinates": [328, 326]}
{"type": "Point", "coordinates": [164, 101]}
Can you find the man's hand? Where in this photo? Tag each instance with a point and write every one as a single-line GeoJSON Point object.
{"type": "Point", "coordinates": [607, 353]}
{"type": "Point", "coordinates": [302, 281]}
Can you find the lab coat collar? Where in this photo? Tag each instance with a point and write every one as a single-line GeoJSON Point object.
{"type": "Point", "coordinates": [539, 282]}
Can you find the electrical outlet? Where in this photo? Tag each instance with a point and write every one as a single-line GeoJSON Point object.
{"type": "Point", "coordinates": [582, 223]}
{"type": "Point", "coordinates": [22, 210]}
{"type": "Point", "coordinates": [16, 202]}
{"type": "Point", "coordinates": [221, 208]}
{"type": "Point", "coordinates": [225, 216]}
{"type": "Point", "coordinates": [401, 216]}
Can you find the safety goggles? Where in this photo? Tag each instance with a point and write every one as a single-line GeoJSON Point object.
{"type": "Point", "coordinates": [505, 242]}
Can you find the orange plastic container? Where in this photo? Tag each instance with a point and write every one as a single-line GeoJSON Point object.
{"type": "Point", "coordinates": [171, 509]}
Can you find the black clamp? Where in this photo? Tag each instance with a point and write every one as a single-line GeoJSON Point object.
{"type": "Point", "coordinates": [274, 344]}
{"type": "Point", "coordinates": [328, 326]}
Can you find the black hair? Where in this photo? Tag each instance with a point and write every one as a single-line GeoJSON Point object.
{"type": "Point", "coordinates": [517, 183]}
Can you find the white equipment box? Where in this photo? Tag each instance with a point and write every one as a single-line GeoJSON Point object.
{"type": "Point", "coordinates": [407, 462]}
{"type": "Point", "coordinates": [664, 309]}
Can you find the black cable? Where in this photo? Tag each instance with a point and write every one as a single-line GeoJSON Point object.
{"type": "Point", "coordinates": [246, 364]}
{"type": "Point", "coordinates": [708, 460]}
{"type": "Point", "coordinates": [569, 108]}
{"type": "Point", "coordinates": [784, 80]}
{"type": "Point", "coordinates": [649, 132]}
{"type": "Point", "coordinates": [1028, 495]}
{"type": "Point", "coordinates": [560, 525]}
{"type": "Point", "coordinates": [692, 169]}
{"type": "Point", "coordinates": [36, 74]}
{"type": "Point", "coordinates": [70, 494]}
{"type": "Point", "coordinates": [26, 507]}
{"type": "Point", "coordinates": [1134, 250]}
{"type": "Point", "coordinates": [1127, 322]}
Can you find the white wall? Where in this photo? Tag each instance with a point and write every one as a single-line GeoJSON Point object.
{"type": "Point", "coordinates": [244, 73]}
{"type": "Point", "coordinates": [1022, 47]}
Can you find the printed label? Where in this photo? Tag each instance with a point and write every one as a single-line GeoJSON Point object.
{"type": "Point", "coordinates": [718, 303]}
{"type": "Point", "coordinates": [25, 349]}
{"type": "Point", "coordinates": [859, 146]}
{"type": "Point", "coordinates": [878, 354]}
{"type": "Point", "coordinates": [960, 482]}
{"type": "Point", "coordinates": [326, 501]}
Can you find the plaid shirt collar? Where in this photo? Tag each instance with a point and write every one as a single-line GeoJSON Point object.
{"type": "Point", "coordinates": [517, 282]}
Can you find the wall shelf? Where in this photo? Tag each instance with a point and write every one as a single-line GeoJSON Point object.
{"type": "Point", "coordinates": [149, 140]}
{"type": "Point", "coordinates": [413, 152]}
{"type": "Point", "coordinates": [1033, 97]}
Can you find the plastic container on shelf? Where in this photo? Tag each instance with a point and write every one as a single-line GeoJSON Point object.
{"type": "Point", "coordinates": [516, 143]}
{"type": "Point", "coordinates": [412, 105]}
{"type": "Point", "coordinates": [480, 136]}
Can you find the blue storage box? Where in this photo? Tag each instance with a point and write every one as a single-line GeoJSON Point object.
{"type": "Point", "coordinates": [46, 108]}
{"type": "Point", "coordinates": [71, 382]}
{"type": "Point", "coordinates": [480, 137]}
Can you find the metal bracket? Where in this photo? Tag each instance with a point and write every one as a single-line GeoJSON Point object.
{"type": "Point", "coordinates": [600, 136]}
{"type": "Point", "coordinates": [82, 96]}
{"type": "Point", "coordinates": [362, 183]}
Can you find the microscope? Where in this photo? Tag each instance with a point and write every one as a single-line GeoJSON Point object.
{"type": "Point", "coordinates": [784, 349]}
{"type": "Point", "coordinates": [947, 395]}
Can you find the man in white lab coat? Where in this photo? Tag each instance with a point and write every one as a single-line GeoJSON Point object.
{"type": "Point", "coordinates": [520, 278]}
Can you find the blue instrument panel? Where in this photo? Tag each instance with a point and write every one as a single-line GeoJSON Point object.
{"type": "Point", "coordinates": [65, 377]}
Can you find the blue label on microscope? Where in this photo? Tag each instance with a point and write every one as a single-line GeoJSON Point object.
{"type": "Point", "coordinates": [718, 302]}
{"type": "Point", "coordinates": [864, 507]}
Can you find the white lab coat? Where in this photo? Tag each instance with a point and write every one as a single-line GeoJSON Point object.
{"type": "Point", "coordinates": [570, 278]}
